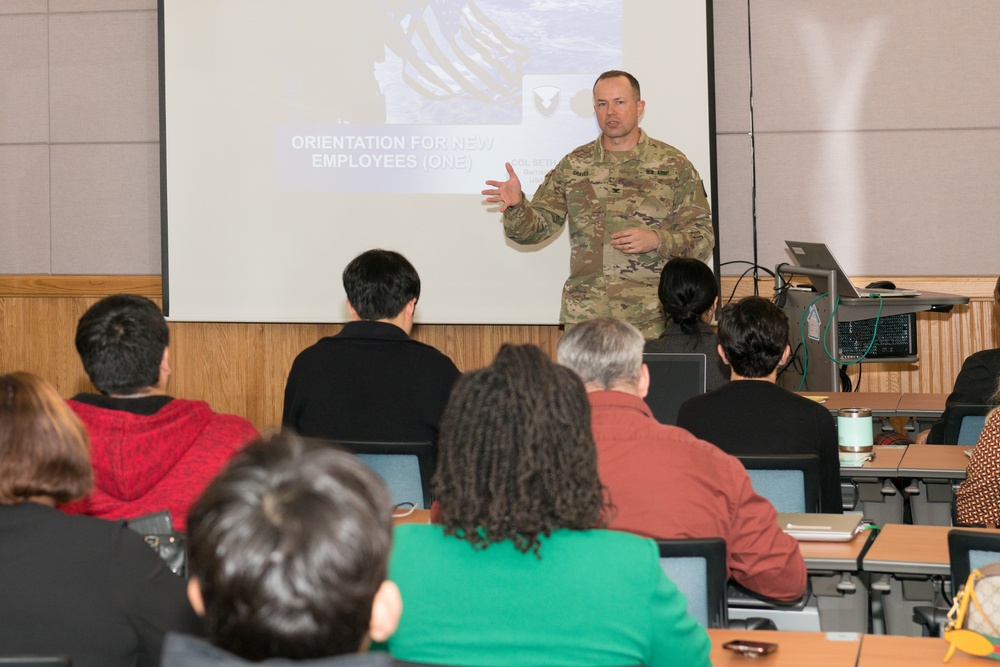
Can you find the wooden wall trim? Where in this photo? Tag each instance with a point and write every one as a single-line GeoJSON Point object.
{"type": "Point", "coordinates": [975, 287]}
{"type": "Point", "coordinates": [43, 286]}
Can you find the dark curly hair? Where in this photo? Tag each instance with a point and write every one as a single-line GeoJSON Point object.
{"type": "Point", "coordinates": [516, 455]}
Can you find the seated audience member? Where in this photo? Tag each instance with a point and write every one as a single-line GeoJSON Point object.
{"type": "Point", "coordinates": [150, 451]}
{"type": "Point", "coordinates": [754, 416]}
{"type": "Point", "coordinates": [371, 381]}
{"type": "Point", "coordinates": [516, 574]}
{"type": "Point", "coordinates": [689, 293]}
{"type": "Point", "coordinates": [975, 383]}
{"type": "Point", "coordinates": [288, 551]}
{"type": "Point", "coordinates": [72, 585]}
{"type": "Point", "coordinates": [977, 499]}
{"type": "Point", "coordinates": [664, 482]}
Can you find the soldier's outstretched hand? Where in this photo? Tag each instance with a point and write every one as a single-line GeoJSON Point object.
{"type": "Point", "coordinates": [508, 192]}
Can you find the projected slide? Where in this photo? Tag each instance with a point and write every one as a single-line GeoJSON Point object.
{"type": "Point", "coordinates": [458, 87]}
{"type": "Point", "coordinates": [299, 133]}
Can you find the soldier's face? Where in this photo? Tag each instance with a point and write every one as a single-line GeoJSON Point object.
{"type": "Point", "coordinates": [617, 108]}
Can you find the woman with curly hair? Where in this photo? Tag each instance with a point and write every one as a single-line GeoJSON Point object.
{"type": "Point", "coordinates": [517, 573]}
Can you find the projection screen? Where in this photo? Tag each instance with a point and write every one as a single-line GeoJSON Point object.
{"type": "Point", "coordinates": [296, 134]}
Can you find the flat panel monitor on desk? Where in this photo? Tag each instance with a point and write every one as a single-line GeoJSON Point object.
{"type": "Point", "coordinates": [674, 377]}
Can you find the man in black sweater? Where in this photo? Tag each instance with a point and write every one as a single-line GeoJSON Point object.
{"type": "Point", "coordinates": [371, 381]}
{"type": "Point", "coordinates": [754, 416]}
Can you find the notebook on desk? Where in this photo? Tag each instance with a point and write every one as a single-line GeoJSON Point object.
{"type": "Point", "coordinates": [820, 527]}
{"type": "Point", "coordinates": [818, 256]}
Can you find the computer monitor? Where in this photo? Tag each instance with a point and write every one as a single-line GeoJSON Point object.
{"type": "Point", "coordinates": [674, 377]}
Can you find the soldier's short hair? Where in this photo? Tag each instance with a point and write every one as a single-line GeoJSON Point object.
{"type": "Point", "coordinates": [753, 332]}
{"type": "Point", "coordinates": [379, 283]}
{"type": "Point", "coordinates": [611, 74]}
{"type": "Point", "coordinates": [604, 350]}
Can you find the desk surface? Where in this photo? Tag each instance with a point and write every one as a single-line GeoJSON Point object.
{"type": "Point", "coordinates": [816, 649]}
{"type": "Point", "coordinates": [905, 549]}
{"type": "Point", "coordinates": [416, 516]}
{"type": "Point", "coordinates": [885, 463]}
{"type": "Point", "coordinates": [921, 405]}
{"type": "Point", "coordinates": [882, 404]}
{"type": "Point", "coordinates": [890, 650]}
{"type": "Point", "coordinates": [839, 556]}
{"type": "Point", "coordinates": [885, 404]}
{"type": "Point", "coordinates": [934, 461]}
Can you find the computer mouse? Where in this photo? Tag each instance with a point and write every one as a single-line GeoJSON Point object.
{"type": "Point", "coordinates": [881, 284]}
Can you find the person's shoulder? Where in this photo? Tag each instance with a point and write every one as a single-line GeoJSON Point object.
{"type": "Point", "coordinates": [990, 357]}
{"type": "Point", "coordinates": [664, 148]}
{"type": "Point", "coordinates": [235, 424]}
{"type": "Point", "coordinates": [434, 359]}
{"type": "Point", "coordinates": [614, 541]}
{"type": "Point", "coordinates": [584, 152]}
{"type": "Point", "coordinates": [416, 534]}
{"type": "Point", "coordinates": [239, 428]}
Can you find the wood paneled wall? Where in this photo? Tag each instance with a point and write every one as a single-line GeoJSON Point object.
{"type": "Point", "coordinates": [241, 367]}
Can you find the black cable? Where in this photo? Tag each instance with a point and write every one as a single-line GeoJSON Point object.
{"type": "Point", "coordinates": [753, 154]}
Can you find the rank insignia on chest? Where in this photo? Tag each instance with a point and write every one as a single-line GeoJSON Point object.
{"type": "Point", "coordinates": [616, 191]}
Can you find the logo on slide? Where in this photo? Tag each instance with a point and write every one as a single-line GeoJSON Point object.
{"type": "Point", "coordinates": [546, 100]}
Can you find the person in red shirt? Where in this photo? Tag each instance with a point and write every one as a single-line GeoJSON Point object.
{"type": "Point", "coordinates": [150, 451]}
{"type": "Point", "coordinates": [664, 482]}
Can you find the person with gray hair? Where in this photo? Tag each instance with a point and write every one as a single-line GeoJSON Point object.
{"type": "Point", "coordinates": [664, 482]}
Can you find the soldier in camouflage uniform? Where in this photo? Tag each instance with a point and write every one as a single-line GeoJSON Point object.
{"type": "Point", "coordinates": [632, 202]}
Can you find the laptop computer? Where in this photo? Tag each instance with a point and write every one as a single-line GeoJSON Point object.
{"type": "Point", "coordinates": [818, 256]}
{"type": "Point", "coordinates": [820, 527]}
{"type": "Point", "coordinates": [674, 377]}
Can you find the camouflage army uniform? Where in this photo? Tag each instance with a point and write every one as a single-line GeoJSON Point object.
{"type": "Point", "coordinates": [653, 185]}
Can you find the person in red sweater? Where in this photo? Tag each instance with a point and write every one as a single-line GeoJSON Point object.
{"type": "Point", "coordinates": [664, 482]}
{"type": "Point", "coordinates": [150, 451]}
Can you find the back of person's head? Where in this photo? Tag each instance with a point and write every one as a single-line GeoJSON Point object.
{"type": "Point", "coordinates": [753, 332]}
{"type": "Point", "coordinates": [289, 546]}
{"type": "Point", "coordinates": [121, 340]}
{"type": "Point", "coordinates": [516, 457]}
{"type": "Point", "coordinates": [604, 352]}
{"type": "Point", "coordinates": [379, 284]}
{"type": "Point", "coordinates": [44, 449]}
{"type": "Point", "coordinates": [687, 290]}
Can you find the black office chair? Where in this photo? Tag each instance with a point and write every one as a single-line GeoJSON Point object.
{"type": "Point", "coordinates": [967, 550]}
{"type": "Point", "coordinates": [35, 661]}
{"type": "Point", "coordinates": [698, 568]}
{"type": "Point", "coordinates": [964, 423]}
{"type": "Point", "coordinates": [790, 482]}
{"type": "Point", "coordinates": [405, 467]}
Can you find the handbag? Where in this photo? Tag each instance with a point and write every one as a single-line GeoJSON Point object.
{"type": "Point", "coordinates": [974, 617]}
{"type": "Point", "coordinates": [157, 531]}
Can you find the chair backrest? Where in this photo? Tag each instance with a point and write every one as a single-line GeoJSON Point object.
{"type": "Point", "coordinates": [698, 567]}
{"type": "Point", "coordinates": [790, 482]}
{"type": "Point", "coordinates": [405, 467]}
{"type": "Point", "coordinates": [963, 424]}
{"type": "Point", "coordinates": [674, 377]}
{"type": "Point", "coordinates": [968, 550]}
{"type": "Point", "coordinates": [35, 661]}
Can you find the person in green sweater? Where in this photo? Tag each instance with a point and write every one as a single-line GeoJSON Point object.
{"type": "Point", "coordinates": [518, 572]}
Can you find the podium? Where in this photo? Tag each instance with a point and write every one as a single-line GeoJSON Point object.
{"type": "Point", "coordinates": [814, 326]}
